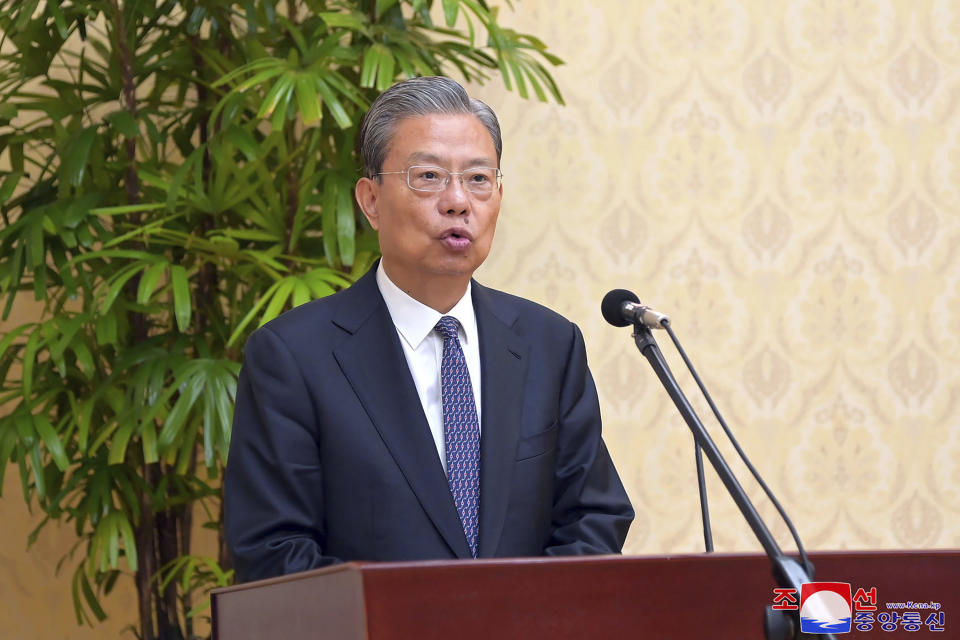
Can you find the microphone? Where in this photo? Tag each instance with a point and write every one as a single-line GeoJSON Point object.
{"type": "Point", "coordinates": [621, 308]}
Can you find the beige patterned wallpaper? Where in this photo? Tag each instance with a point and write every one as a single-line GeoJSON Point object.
{"type": "Point", "coordinates": [781, 177]}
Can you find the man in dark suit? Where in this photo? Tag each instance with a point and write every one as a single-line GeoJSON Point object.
{"type": "Point", "coordinates": [418, 414]}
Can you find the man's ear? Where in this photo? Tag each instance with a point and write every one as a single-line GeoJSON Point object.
{"type": "Point", "coordinates": [368, 193]}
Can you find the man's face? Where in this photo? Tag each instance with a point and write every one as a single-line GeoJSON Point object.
{"type": "Point", "coordinates": [426, 234]}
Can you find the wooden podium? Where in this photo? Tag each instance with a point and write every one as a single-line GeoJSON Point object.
{"type": "Point", "coordinates": [714, 596]}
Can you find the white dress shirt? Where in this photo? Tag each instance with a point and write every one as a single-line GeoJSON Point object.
{"type": "Point", "coordinates": [423, 348]}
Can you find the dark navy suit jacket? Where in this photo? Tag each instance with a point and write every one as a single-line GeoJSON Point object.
{"type": "Point", "coordinates": [331, 457]}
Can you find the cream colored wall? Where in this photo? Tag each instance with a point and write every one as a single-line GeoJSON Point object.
{"type": "Point", "coordinates": [780, 177]}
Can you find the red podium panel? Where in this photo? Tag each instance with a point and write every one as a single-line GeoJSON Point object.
{"type": "Point", "coordinates": [716, 596]}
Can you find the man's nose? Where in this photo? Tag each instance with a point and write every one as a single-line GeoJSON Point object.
{"type": "Point", "coordinates": [454, 198]}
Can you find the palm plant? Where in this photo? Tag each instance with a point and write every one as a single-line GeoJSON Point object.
{"type": "Point", "coordinates": [174, 173]}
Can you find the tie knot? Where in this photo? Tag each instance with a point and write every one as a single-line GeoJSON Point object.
{"type": "Point", "coordinates": [447, 327]}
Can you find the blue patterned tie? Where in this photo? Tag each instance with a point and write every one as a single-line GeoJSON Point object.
{"type": "Point", "coordinates": [461, 431]}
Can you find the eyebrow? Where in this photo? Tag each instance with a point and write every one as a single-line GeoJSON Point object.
{"type": "Point", "coordinates": [421, 156]}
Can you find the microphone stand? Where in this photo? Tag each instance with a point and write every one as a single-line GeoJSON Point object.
{"type": "Point", "coordinates": [787, 572]}
{"type": "Point", "coordinates": [704, 506]}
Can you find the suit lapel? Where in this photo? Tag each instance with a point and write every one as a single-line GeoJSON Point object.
{"type": "Point", "coordinates": [373, 362]}
{"type": "Point", "coordinates": [503, 357]}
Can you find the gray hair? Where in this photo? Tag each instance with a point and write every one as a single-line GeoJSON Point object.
{"type": "Point", "coordinates": [416, 97]}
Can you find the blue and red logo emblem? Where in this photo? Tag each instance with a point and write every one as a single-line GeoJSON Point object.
{"type": "Point", "coordinates": [825, 607]}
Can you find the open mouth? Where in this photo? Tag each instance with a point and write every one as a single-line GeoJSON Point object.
{"type": "Point", "coordinates": [457, 234]}
{"type": "Point", "coordinates": [457, 239]}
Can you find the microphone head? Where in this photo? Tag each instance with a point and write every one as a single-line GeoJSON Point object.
{"type": "Point", "coordinates": [612, 306]}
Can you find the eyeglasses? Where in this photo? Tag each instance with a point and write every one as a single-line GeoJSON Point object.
{"type": "Point", "coordinates": [478, 180]}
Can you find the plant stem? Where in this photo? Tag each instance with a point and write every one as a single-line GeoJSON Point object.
{"type": "Point", "coordinates": [185, 533]}
{"type": "Point", "coordinates": [146, 567]}
{"type": "Point", "coordinates": [145, 532]}
{"type": "Point", "coordinates": [167, 546]}
{"type": "Point", "coordinates": [223, 553]}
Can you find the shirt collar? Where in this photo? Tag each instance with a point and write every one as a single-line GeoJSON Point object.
{"type": "Point", "coordinates": [415, 320]}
